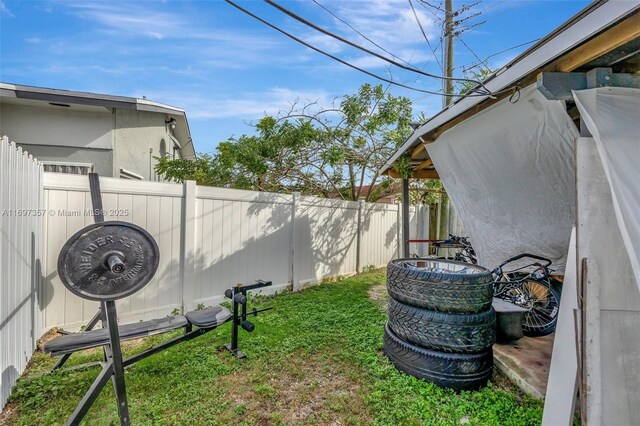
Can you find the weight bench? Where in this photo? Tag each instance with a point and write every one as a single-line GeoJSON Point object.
{"type": "Point", "coordinates": [206, 319]}
{"type": "Point", "coordinates": [107, 261]}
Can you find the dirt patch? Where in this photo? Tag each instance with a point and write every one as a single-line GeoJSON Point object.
{"type": "Point", "coordinates": [9, 414]}
{"type": "Point", "coordinates": [502, 382]}
{"type": "Point", "coordinates": [378, 293]}
{"type": "Point", "coordinates": [49, 335]}
{"type": "Point", "coordinates": [305, 391]}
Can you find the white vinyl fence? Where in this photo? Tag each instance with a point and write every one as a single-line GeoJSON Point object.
{"type": "Point", "coordinates": [209, 240]}
{"type": "Point", "coordinates": [20, 260]}
{"type": "Point", "coordinates": [212, 238]}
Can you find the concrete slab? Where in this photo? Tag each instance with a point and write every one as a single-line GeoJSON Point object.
{"type": "Point", "coordinates": [526, 363]}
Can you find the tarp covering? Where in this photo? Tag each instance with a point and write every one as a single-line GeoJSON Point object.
{"type": "Point", "coordinates": [612, 115]}
{"type": "Point", "coordinates": [509, 172]}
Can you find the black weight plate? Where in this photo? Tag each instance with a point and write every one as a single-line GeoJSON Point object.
{"type": "Point", "coordinates": [83, 266]}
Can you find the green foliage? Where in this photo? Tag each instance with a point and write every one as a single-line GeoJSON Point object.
{"type": "Point", "coordinates": [479, 73]}
{"type": "Point", "coordinates": [315, 358]}
{"type": "Point", "coordinates": [331, 152]}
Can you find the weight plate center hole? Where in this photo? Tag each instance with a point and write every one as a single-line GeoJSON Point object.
{"type": "Point", "coordinates": [115, 262]}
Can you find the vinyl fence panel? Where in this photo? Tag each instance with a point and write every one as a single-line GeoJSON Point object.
{"type": "Point", "coordinates": [155, 206]}
{"type": "Point", "coordinates": [20, 261]}
{"type": "Point", "coordinates": [379, 229]}
{"type": "Point", "coordinates": [325, 239]}
{"type": "Point", "coordinates": [213, 238]}
{"type": "Point", "coordinates": [240, 236]}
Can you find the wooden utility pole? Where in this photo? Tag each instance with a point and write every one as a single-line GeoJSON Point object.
{"type": "Point", "coordinates": [442, 217]}
{"type": "Point", "coordinates": [448, 52]}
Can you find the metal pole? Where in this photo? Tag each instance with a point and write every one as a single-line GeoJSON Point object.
{"type": "Point", "coordinates": [118, 366]}
{"type": "Point", "coordinates": [405, 217]}
{"type": "Point", "coordinates": [359, 236]}
{"type": "Point", "coordinates": [96, 197]}
{"type": "Point", "coordinates": [236, 321]}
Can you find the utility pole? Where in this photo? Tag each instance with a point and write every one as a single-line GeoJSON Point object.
{"type": "Point", "coordinates": [448, 52]}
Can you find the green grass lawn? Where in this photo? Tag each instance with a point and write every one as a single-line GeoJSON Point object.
{"type": "Point", "coordinates": [316, 358]}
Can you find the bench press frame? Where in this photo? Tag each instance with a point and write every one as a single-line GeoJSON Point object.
{"type": "Point", "coordinates": [114, 364]}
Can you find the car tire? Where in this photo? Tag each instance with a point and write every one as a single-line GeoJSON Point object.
{"type": "Point", "coordinates": [446, 332]}
{"type": "Point", "coordinates": [440, 285]}
{"type": "Point", "coordinates": [456, 371]}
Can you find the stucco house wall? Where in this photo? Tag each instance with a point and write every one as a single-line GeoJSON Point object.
{"type": "Point", "coordinates": [63, 134]}
{"type": "Point", "coordinates": [119, 136]}
{"type": "Point", "coordinates": [138, 138]}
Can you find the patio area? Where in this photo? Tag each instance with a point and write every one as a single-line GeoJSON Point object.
{"type": "Point", "coordinates": [316, 358]}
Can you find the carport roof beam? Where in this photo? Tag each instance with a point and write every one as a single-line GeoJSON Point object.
{"type": "Point", "coordinates": [558, 85]}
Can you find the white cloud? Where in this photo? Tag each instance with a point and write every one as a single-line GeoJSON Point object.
{"type": "Point", "coordinates": [4, 9]}
{"type": "Point", "coordinates": [412, 56]}
{"type": "Point", "coordinates": [390, 23]}
{"type": "Point", "coordinates": [129, 19]}
{"type": "Point", "coordinates": [139, 19]}
{"type": "Point", "coordinates": [248, 105]}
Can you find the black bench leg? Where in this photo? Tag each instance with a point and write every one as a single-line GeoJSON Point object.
{"type": "Point", "coordinates": [118, 364]}
{"type": "Point", "coordinates": [61, 362]}
{"type": "Point", "coordinates": [92, 323]}
{"type": "Point", "coordinates": [91, 395]}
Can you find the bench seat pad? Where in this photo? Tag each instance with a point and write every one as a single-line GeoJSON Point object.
{"type": "Point", "coordinates": [209, 317]}
{"type": "Point", "coordinates": [90, 339]}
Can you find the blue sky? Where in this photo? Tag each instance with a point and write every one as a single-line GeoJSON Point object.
{"type": "Point", "coordinates": [226, 69]}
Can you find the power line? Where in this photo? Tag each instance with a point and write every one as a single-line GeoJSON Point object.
{"type": "Point", "coordinates": [364, 49]}
{"type": "Point", "coordinates": [425, 35]}
{"type": "Point", "coordinates": [492, 6]}
{"type": "Point", "coordinates": [497, 14]}
{"type": "Point", "coordinates": [469, 49]}
{"type": "Point", "coordinates": [359, 33]}
{"type": "Point", "coordinates": [335, 58]}
{"type": "Point", "coordinates": [432, 6]}
{"type": "Point", "coordinates": [428, 9]}
{"type": "Point", "coordinates": [484, 61]}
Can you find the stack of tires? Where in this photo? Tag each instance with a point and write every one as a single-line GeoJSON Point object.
{"type": "Point", "coordinates": [441, 324]}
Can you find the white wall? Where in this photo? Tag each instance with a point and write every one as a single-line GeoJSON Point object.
{"type": "Point", "coordinates": [20, 261]}
{"type": "Point", "coordinates": [83, 127]}
{"type": "Point", "coordinates": [111, 139]}
{"type": "Point", "coordinates": [610, 299]}
{"type": "Point", "coordinates": [240, 236]}
{"type": "Point", "coordinates": [137, 139]}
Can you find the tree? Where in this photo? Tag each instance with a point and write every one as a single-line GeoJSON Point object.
{"type": "Point", "coordinates": [336, 151]}
{"type": "Point", "coordinates": [480, 73]}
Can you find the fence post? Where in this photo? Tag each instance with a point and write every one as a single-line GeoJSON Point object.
{"type": "Point", "coordinates": [359, 237]}
{"type": "Point", "coordinates": [398, 226]}
{"type": "Point", "coordinates": [292, 252]}
{"type": "Point", "coordinates": [188, 246]}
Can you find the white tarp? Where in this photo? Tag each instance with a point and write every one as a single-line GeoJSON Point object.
{"type": "Point", "coordinates": [612, 115]}
{"type": "Point", "coordinates": [509, 171]}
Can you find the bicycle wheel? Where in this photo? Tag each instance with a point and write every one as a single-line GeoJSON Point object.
{"type": "Point", "coordinates": [542, 299]}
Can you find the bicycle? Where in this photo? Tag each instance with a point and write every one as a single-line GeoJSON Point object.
{"type": "Point", "coordinates": [466, 253]}
{"type": "Point", "coordinates": [532, 288]}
